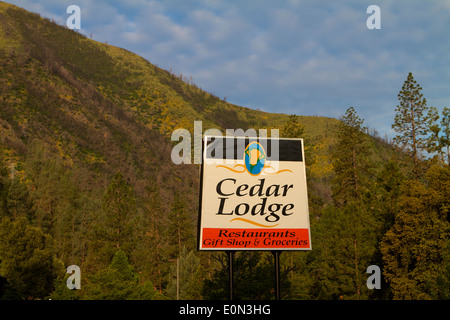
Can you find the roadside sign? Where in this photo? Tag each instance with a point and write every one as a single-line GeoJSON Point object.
{"type": "Point", "coordinates": [253, 194]}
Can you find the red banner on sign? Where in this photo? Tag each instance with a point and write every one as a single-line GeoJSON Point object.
{"type": "Point", "coordinates": [231, 238]}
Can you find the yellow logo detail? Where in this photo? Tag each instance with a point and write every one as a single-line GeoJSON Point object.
{"type": "Point", "coordinates": [253, 222]}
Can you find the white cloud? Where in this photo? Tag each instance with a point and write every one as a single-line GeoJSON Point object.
{"type": "Point", "coordinates": [306, 57]}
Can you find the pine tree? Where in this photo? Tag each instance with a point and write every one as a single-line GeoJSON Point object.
{"type": "Point", "coordinates": [410, 121]}
{"type": "Point", "coordinates": [181, 227]}
{"type": "Point", "coordinates": [119, 209]}
{"type": "Point", "coordinates": [434, 143]}
{"type": "Point", "coordinates": [27, 259]}
{"type": "Point", "coordinates": [4, 188]}
{"type": "Point", "coordinates": [119, 281]}
{"type": "Point", "coordinates": [151, 252]}
{"type": "Point", "coordinates": [351, 159]}
{"type": "Point", "coordinates": [18, 200]}
{"type": "Point", "coordinates": [112, 226]}
{"type": "Point", "coordinates": [7, 292]}
{"type": "Point", "coordinates": [190, 276]}
{"type": "Point", "coordinates": [292, 128]}
{"type": "Point", "coordinates": [415, 250]}
{"type": "Point", "coordinates": [390, 180]}
{"type": "Point", "coordinates": [346, 241]}
{"type": "Point", "coordinates": [49, 180]}
{"type": "Point", "coordinates": [438, 141]}
{"type": "Point", "coordinates": [347, 231]}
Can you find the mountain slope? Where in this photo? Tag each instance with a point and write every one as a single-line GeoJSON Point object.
{"type": "Point", "coordinates": [67, 127]}
{"type": "Point", "coordinates": [59, 83]}
{"type": "Point", "coordinates": [53, 89]}
{"type": "Point", "coordinates": [75, 112]}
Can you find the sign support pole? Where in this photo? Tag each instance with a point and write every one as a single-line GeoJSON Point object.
{"type": "Point", "coordinates": [230, 274]}
{"type": "Point", "coordinates": [276, 255]}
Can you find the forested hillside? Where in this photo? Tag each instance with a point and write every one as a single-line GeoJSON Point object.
{"type": "Point", "coordinates": [86, 178]}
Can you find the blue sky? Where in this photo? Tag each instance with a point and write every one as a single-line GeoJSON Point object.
{"type": "Point", "coordinates": [291, 56]}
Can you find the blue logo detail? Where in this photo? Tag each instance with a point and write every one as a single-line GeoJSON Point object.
{"type": "Point", "coordinates": [254, 158]}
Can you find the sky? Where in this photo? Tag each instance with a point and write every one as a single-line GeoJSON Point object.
{"type": "Point", "coordinates": [304, 57]}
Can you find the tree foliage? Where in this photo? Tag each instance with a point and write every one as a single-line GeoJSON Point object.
{"type": "Point", "coordinates": [118, 209]}
{"type": "Point", "coordinates": [84, 126]}
{"type": "Point", "coordinates": [292, 128]}
{"type": "Point", "coordinates": [410, 121]}
{"type": "Point", "coordinates": [119, 281]}
{"type": "Point", "coordinates": [27, 259]}
{"type": "Point", "coordinates": [438, 142]}
{"type": "Point", "coordinates": [415, 249]}
{"type": "Point", "coordinates": [351, 159]}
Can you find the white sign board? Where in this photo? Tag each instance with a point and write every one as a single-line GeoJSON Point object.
{"type": "Point", "coordinates": [253, 195]}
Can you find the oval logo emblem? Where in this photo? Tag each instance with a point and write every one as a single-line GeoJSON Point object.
{"type": "Point", "coordinates": [254, 158]}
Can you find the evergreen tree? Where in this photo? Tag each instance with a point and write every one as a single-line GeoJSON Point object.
{"type": "Point", "coordinates": [27, 259]}
{"type": "Point", "coordinates": [346, 233]}
{"type": "Point", "coordinates": [410, 121]}
{"type": "Point", "coordinates": [190, 277]}
{"type": "Point", "coordinates": [439, 140]}
{"type": "Point", "coordinates": [119, 281]}
{"type": "Point", "coordinates": [49, 182]}
{"type": "Point", "coordinates": [390, 180]}
{"type": "Point", "coordinates": [112, 226]}
{"type": "Point", "coordinates": [4, 188]}
{"type": "Point", "coordinates": [119, 209]}
{"type": "Point", "coordinates": [345, 242]}
{"type": "Point", "coordinates": [61, 291]}
{"type": "Point", "coordinates": [18, 200]}
{"type": "Point", "coordinates": [152, 251]}
{"type": "Point", "coordinates": [351, 159]}
{"type": "Point", "coordinates": [415, 249]}
{"type": "Point", "coordinates": [181, 226]}
{"type": "Point", "coordinates": [438, 183]}
{"type": "Point", "coordinates": [7, 292]}
{"type": "Point", "coordinates": [292, 128]}
{"type": "Point", "coordinates": [434, 142]}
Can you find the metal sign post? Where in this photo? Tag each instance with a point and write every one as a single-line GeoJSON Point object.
{"type": "Point", "coordinates": [230, 255]}
{"type": "Point", "coordinates": [276, 255]}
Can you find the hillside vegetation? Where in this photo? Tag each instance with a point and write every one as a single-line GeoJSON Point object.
{"type": "Point", "coordinates": [87, 179]}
